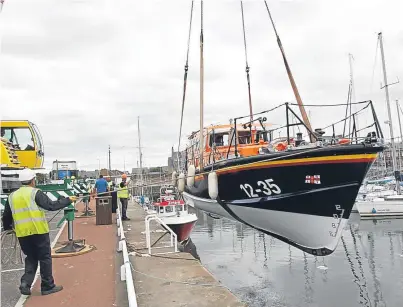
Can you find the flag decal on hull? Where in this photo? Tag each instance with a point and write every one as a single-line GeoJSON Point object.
{"type": "Point", "coordinates": [315, 179]}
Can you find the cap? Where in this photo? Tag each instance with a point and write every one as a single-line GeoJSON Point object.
{"type": "Point", "coordinates": [27, 174]}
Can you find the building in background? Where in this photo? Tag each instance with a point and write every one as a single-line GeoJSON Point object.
{"type": "Point", "coordinates": [173, 160]}
{"type": "Point", "coordinates": [64, 169]}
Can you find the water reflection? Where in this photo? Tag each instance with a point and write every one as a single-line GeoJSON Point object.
{"type": "Point", "coordinates": [365, 270]}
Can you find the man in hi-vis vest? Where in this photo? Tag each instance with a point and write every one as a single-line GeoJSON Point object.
{"type": "Point", "coordinates": [123, 195]}
{"type": "Point", "coordinates": [25, 208]}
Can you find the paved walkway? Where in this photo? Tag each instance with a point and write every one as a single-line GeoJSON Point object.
{"type": "Point", "coordinates": [89, 279]}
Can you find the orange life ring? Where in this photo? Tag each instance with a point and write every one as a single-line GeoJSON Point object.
{"type": "Point", "coordinates": [281, 146]}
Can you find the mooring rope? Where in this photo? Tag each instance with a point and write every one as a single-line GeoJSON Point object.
{"type": "Point", "coordinates": [9, 241]}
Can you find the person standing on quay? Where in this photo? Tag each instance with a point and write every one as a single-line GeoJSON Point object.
{"type": "Point", "coordinates": [101, 186]}
{"type": "Point", "coordinates": [25, 208]}
{"type": "Point", "coordinates": [123, 195]}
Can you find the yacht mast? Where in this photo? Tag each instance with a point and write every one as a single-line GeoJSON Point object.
{"type": "Point", "coordinates": [352, 93]}
{"type": "Point", "coordinates": [386, 86]}
{"type": "Point", "coordinates": [401, 135]}
{"type": "Point", "coordinates": [201, 89]}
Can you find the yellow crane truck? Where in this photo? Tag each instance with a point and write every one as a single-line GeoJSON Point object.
{"type": "Point", "coordinates": [21, 147]}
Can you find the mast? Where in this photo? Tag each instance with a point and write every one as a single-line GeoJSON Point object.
{"type": "Point", "coordinates": [141, 156]}
{"type": "Point", "coordinates": [401, 135]}
{"type": "Point", "coordinates": [386, 86]}
{"type": "Point", "coordinates": [109, 159]}
{"type": "Point", "coordinates": [247, 68]}
{"type": "Point", "coordinates": [292, 81]}
{"type": "Point", "coordinates": [201, 89]}
{"type": "Point", "coordinates": [352, 93]}
{"type": "Point", "coordinates": [350, 59]}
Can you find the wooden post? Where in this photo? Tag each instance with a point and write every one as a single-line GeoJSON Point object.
{"type": "Point", "coordinates": [103, 210]}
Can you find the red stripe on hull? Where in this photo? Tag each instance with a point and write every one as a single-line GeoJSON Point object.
{"type": "Point", "coordinates": [182, 230]}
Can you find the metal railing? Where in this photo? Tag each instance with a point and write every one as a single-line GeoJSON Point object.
{"type": "Point", "coordinates": [174, 241]}
{"type": "Point", "coordinates": [126, 267]}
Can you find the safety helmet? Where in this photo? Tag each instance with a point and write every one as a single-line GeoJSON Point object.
{"type": "Point", "coordinates": [124, 176]}
{"type": "Point", "coordinates": [73, 177]}
{"type": "Point", "coordinates": [27, 174]}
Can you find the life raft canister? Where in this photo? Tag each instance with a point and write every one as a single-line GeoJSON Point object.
{"type": "Point", "coordinates": [344, 141]}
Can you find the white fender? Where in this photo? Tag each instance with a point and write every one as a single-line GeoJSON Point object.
{"type": "Point", "coordinates": [174, 178]}
{"type": "Point", "coordinates": [213, 185]}
{"type": "Point", "coordinates": [190, 181]}
{"type": "Point", "coordinates": [181, 182]}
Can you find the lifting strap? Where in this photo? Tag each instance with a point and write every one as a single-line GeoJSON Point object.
{"type": "Point", "coordinates": [247, 68]}
{"type": "Point", "coordinates": [185, 77]}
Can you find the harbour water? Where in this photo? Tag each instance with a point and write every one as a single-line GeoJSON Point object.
{"type": "Point", "coordinates": [365, 270]}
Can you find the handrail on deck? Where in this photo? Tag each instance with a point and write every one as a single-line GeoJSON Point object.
{"type": "Point", "coordinates": [125, 269]}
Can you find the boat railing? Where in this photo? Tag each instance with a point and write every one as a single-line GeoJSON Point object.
{"type": "Point", "coordinates": [349, 124]}
{"type": "Point", "coordinates": [354, 127]}
{"type": "Point", "coordinates": [174, 238]}
{"type": "Point", "coordinates": [126, 268]}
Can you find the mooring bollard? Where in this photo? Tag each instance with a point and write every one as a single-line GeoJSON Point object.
{"type": "Point", "coordinates": [71, 246]}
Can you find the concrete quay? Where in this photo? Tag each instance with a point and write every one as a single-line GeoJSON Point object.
{"type": "Point", "coordinates": [170, 279]}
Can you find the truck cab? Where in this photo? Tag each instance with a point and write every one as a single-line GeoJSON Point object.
{"type": "Point", "coordinates": [22, 139]}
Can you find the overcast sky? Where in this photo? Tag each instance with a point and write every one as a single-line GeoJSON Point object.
{"type": "Point", "coordinates": [84, 70]}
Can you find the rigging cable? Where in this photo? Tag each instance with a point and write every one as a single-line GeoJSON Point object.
{"type": "Point", "coordinates": [247, 68]}
{"type": "Point", "coordinates": [348, 100]}
{"type": "Point", "coordinates": [374, 67]}
{"type": "Point", "coordinates": [185, 77]}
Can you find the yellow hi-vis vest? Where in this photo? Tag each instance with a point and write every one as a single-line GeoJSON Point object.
{"type": "Point", "coordinates": [29, 218]}
{"type": "Point", "coordinates": [123, 192]}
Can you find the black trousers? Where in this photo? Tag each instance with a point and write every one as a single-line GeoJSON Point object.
{"type": "Point", "coordinates": [114, 201]}
{"type": "Point", "coordinates": [37, 249]}
{"type": "Point", "coordinates": [124, 202]}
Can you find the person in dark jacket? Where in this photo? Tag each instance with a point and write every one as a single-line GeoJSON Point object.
{"type": "Point", "coordinates": [114, 195]}
{"type": "Point", "coordinates": [25, 213]}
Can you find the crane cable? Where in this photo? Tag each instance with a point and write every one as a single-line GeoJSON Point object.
{"type": "Point", "coordinates": [247, 68]}
{"type": "Point", "coordinates": [185, 77]}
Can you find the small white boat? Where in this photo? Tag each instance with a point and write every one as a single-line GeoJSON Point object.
{"type": "Point", "coordinates": [386, 207]}
{"type": "Point", "coordinates": [174, 213]}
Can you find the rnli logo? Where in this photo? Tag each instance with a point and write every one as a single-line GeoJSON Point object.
{"type": "Point", "coordinates": [315, 179]}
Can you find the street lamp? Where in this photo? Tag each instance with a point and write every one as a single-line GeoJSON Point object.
{"type": "Point", "coordinates": [99, 167]}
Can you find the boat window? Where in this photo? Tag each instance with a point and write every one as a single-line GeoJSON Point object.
{"type": "Point", "coordinates": [161, 209]}
{"type": "Point", "coordinates": [220, 139]}
{"type": "Point", "coordinates": [178, 208]}
{"type": "Point", "coordinates": [244, 137]}
{"type": "Point", "coordinates": [169, 209]}
{"type": "Point", "coordinates": [21, 138]}
{"type": "Point", "coordinates": [185, 207]}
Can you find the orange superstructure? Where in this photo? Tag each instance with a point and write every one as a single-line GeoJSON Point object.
{"type": "Point", "coordinates": [219, 142]}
